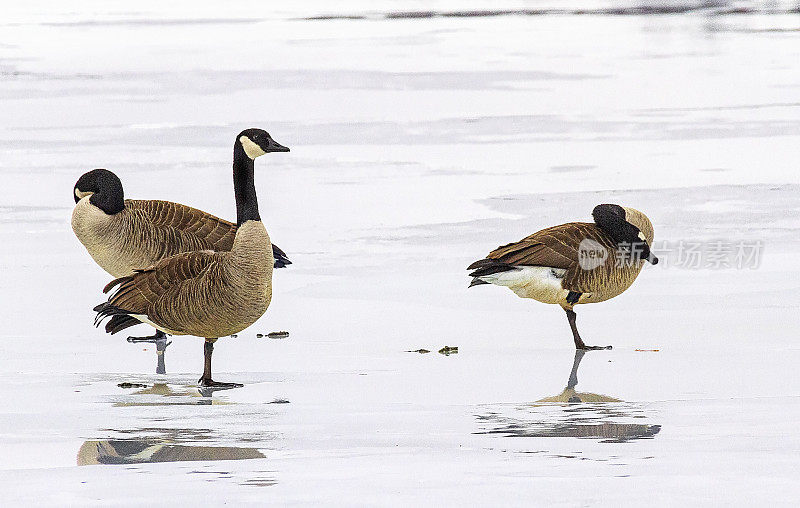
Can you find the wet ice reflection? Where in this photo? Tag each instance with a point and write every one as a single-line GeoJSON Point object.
{"type": "Point", "coordinates": [164, 449]}
{"type": "Point", "coordinates": [163, 394]}
{"type": "Point", "coordinates": [571, 414]}
{"type": "Point", "coordinates": [153, 440]}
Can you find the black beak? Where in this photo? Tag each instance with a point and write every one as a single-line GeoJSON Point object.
{"type": "Point", "coordinates": [646, 254]}
{"type": "Point", "coordinates": [274, 146]}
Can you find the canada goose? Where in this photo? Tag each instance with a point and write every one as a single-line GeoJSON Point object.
{"type": "Point", "coordinates": [123, 235]}
{"type": "Point", "coordinates": [206, 293]}
{"type": "Point", "coordinates": [573, 263]}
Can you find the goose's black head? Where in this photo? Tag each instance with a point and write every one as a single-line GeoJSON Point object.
{"type": "Point", "coordinates": [627, 226]}
{"type": "Point", "coordinates": [257, 142]}
{"type": "Point", "coordinates": [103, 188]}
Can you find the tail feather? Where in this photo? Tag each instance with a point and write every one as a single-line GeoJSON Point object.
{"type": "Point", "coordinates": [121, 322]}
{"type": "Point", "coordinates": [105, 310]}
{"type": "Point", "coordinates": [120, 317]}
{"type": "Point", "coordinates": [488, 266]}
{"type": "Point", "coordinates": [477, 282]}
{"type": "Point", "coordinates": [281, 260]}
{"type": "Point", "coordinates": [479, 263]}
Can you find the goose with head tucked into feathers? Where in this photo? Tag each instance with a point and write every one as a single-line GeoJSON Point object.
{"type": "Point", "coordinates": [206, 293]}
{"type": "Point", "coordinates": [123, 235]}
{"type": "Point", "coordinates": [573, 263]}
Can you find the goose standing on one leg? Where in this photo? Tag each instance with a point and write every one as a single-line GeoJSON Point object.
{"type": "Point", "coordinates": [206, 293]}
{"type": "Point", "coordinates": [573, 263]}
{"type": "Point", "coordinates": [123, 235]}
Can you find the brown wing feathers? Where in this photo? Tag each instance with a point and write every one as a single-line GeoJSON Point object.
{"type": "Point", "coordinates": [191, 229]}
{"type": "Point", "coordinates": [555, 247]}
{"type": "Point", "coordinates": [142, 292]}
{"type": "Point", "coordinates": [211, 231]}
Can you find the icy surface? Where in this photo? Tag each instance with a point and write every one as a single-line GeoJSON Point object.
{"type": "Point", "coordinates": [419, 142]}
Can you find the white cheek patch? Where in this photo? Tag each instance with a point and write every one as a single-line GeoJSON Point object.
{"type": "Point", "coordinates": [250, 148]}
{"type": "Point", "coordinates": [642, 237]}
{"type": "Point", "coordinates": [81, 195]}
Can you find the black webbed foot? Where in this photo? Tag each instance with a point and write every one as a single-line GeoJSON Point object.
{"type": "Point", "coordinates": [210, 383]}
{"type": "Point", "coordinates": [593, 348]}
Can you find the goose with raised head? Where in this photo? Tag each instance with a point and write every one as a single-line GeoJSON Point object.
{"type": "Point", "coordinates": [574, 263]}
{"type": "Point", "coordinates": [123, 235]}
{"type": "Point", "coordinates": [206, 293]}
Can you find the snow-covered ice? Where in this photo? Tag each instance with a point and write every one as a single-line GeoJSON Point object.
{"type": "Point", "coordinates": [420, 141]}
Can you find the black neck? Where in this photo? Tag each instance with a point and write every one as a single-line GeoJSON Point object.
{"type": "Point", "coordinates": [109, 198]}
{"type": "Point", "coordinates": [244, 187]}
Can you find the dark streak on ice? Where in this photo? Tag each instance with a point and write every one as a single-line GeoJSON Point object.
{"type": "Point", "coordinates": [710, 8]}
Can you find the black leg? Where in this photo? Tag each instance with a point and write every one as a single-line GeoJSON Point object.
{"type": "Point", "coordinates": [206, 381]}
{"type": "Point", "coordinates": [160, 339]}
{"type": "Point", "coordinates": [161, 346]}
{"type": "Point", "coordinates": [158, 336]}
{"type": "Point", "coordinates": [576, 336]}
{"type": "Point", "coordinates": [573, 375]}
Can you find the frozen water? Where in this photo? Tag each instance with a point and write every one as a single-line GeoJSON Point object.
{"type": "Point", "coordinates": [419, 142]}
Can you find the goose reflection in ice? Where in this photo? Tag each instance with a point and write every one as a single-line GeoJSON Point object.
{"type": "Point", "coordinates": [165, 447]}
{"type": "Point", "coordinates": [572, 414]}
{"type": "Point", "coordinates": [132, 451]}
{"type": "Point", "coordinates": [569, 394]}
{"type": "Point", "coordinates": [163, 394]}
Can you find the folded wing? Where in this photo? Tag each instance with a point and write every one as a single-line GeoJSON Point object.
{"type": "Point", "coordinates": [555, 247]}
{"type": "Point", "coordinates": [186, 229]}
{"type": "Point", "coordinates": [162, 292]}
